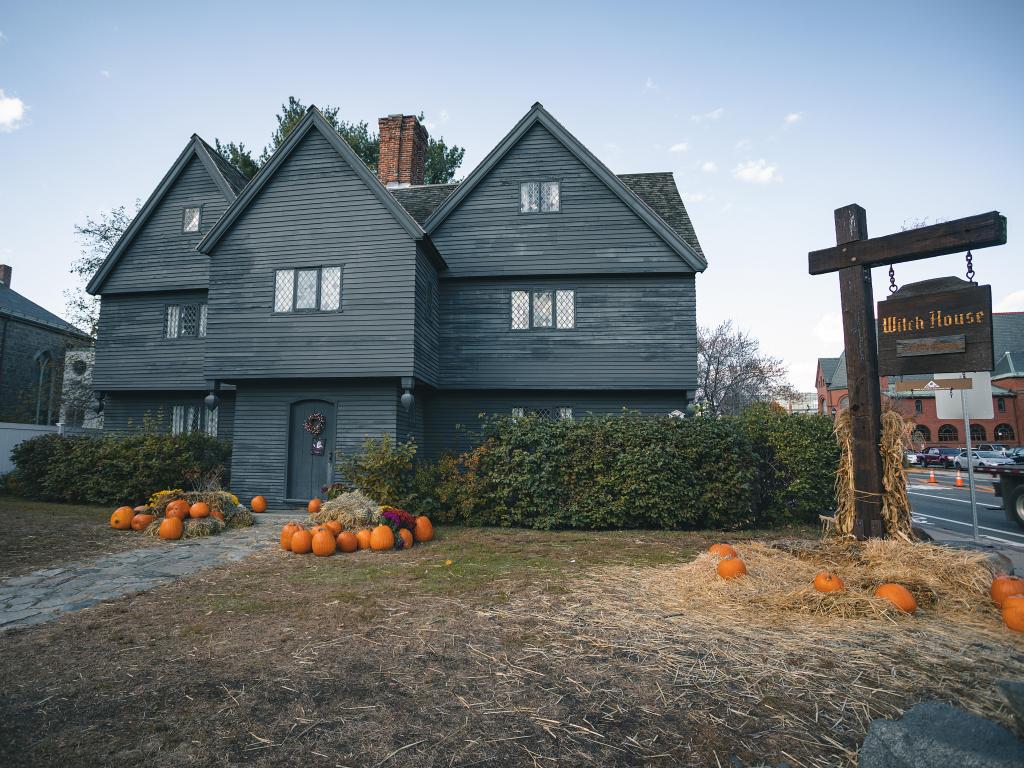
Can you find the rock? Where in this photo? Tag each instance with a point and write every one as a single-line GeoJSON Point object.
{"type": "Point", "coordinates": [1013, 692]}
{"type": "Point", "coordinates": [938, 735]}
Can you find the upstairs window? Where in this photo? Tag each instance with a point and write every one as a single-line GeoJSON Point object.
{"type": "Point", "coordinates": [314, 289]}
{"type": "Point", "coordinates": [543, 309]}
{"type": "Point", "coordinates": [185, 321]}
{"type": "Point", "coordinates": [190, 219]}
{"type": "Point", "coordinates": [540, 197]}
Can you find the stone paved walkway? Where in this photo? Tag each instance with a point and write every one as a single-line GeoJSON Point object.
{"type": "Point", "coordinates": [45, 595]}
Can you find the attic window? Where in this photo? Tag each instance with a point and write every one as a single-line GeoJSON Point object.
{"type": "Point", "coordinates": [190, 219]}
{"type": "Point", "coordinates": [540, 197]}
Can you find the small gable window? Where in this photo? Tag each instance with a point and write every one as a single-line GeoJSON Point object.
{"type": "Point", "coordinates": [543, 309]}
{"type": "Point", "coordinates": [185, 321]}
{"type": "Point", "coordinates": [190, 219]}
{"type": "Point", "coordinates": [539, 197]}
{"type": "Point", "coordinates": [316, 289]}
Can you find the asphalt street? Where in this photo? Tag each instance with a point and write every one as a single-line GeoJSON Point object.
{"type": "Point", "coordinates": [943, 505]}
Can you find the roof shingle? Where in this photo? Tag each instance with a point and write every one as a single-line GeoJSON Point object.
{"type": "Point", "coordinates": [13, 304]}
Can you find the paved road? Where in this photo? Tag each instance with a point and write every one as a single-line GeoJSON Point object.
{"type": "Point", "coordinates": [943, 505]}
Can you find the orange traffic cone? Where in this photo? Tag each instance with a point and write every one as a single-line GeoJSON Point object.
{"type": "Point", "coordinates": [931, 478]}
{"type": "Point", "coordinates": [959, 480]}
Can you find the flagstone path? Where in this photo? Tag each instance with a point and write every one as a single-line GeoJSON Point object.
{"type": "Point", "coordinates": [44, 595]}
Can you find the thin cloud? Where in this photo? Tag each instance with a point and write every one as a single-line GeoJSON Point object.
{"type": "Point", "coordinates": [757, 172]}
{"type": "Point", "coordinates": [793, 118]}
{"type": "Point", "coordinates": [709, 166]}
{"type": "Point", "coordinates": [714, 114]}
{"type": "Point", "coordinates": [682, 146]}
{"type": "Point", "coordinates": [829, 329]}
{"type": "Point", "coordinates": [694, 197]}
{"type": "Point", "coordinates": [105, 73]}
{"type": "Point", "coordinates": [744, 145]}
{"type": "Point", "coordinates": [650, 85]}
{"type": "Point", "coordinates": [12, 112]}
{"type": "Point", "coordinates": [1012, 302]}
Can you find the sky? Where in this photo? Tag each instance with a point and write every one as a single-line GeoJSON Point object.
{"type": "Point", "coordinates": [770, 115]}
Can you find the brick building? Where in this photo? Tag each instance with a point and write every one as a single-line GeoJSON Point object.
{"type": "Point", "coordinates": [32, 346]}
{"type": "Point", "coordinates": [1007, 424]}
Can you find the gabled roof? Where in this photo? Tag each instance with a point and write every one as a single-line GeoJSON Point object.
{"type": "Point", "coordinates": [223, 175]}
{"type": "Point", "coordinates": [1007, 333]}
{"type": "Point", "coordinates": [657, 190]}
{"type": "Point", "coordinates": [313, 120]}
{"type": "Point", "coordinates": [839, 380]}
{"type": "Point", "coordinates": [828, 367]}
{"type": "Point", "coordinates": [538, 115]}
{"type": "Point", "coordinates": [16, 306]}
{"type": "Point", "coordinates": [1011, 364]}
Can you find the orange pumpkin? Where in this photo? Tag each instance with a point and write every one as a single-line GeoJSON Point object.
{"type": "Point", "coordinates": [302, 542]}
{"type": "Point", "coordinates": [258, 504]}
{"type": "Point", "coordinates": [313, 507]}
{"type": "Point", "coordinates": [382, 539]}
{"type": "Point", "coordinates": [731, 567]}
{"type": "Point", "coordinates": [199, 509]}
{"type": "Point", "coordinates": [217, 514]}
{"type": "Point", "coordinates": [141, 521]}
{"type": "Point", "coordinates": [177, 508]}
{"type": "Point", "coordinates": [363, 538]}
{"type": "Point", "coordinates": [333, 526]}
{"type": "Point", "coordinates": [406, 535]}
{"type": "Point", "coordinates": [722, 550]}
{"type": "Point", "coordinates": [324, 544]}
{"type": "Point", "coordinates": [140, 509]}
{"type": "Point", "coordinates": [828, 582]}
{"type": "Point", "coordinates": [317, 528]}
{"type": "Point", "coordinates": [1003, 587]}
{"type": "Point", "coordinates": [122, 518]}
{"type": "Point", "coordinates": [286, 535]}
{"type": "Point", "coordinates": [898, 595]}
{"type": "Point", "coordinates": [347, 541]}
{"type": "Point", "coordinates": [424, 530]}
{"type": "Point", "coordinates": [1013, 612]}
{"type": "Point", "coordinates": [171, 528]}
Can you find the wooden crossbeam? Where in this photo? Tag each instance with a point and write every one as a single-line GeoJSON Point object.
{"type": "Point", "coordinates": [981, 231]}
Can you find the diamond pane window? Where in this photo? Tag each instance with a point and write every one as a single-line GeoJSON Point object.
{"type": "Point", "coordinates": [565, 413]}
{"type": "Point", "coordinates": [550, 201]}
{"type": "Point", "coordinates": [190, 320]}
{"type": "Point", "coordinates": [520, 310]}
{"type": "Point", "coordinates": [211, 422]}
{"type": "Point", "coordinates": [330, 288]}
{"type": "Point", "coordinates": [171, 327]}
{"type": "Point", "coordinates": [529, 197]}
{"type": "Point", "coordinates": [202, 320]}
{"type": "Point", "coordinates": [305, 289]}
{"type": "Point", "coordinates": [284, 284]}
{"type": "Point", "coordinates": [518, 413]}
{"type": "Point", "coordinates": [565, 309]}
{"type": "Point", "coordinates": [190, 220]}
{"type": "Point", "coordinates": [542, 309]}
{"type": "Point", "coordinates": [543, 413]}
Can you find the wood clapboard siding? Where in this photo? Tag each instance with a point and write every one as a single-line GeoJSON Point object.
{"type": "Point", "coordinates": [427, 319]}
{"type": "Point", "coordinates": [453, 418]}
{"type": "Point", "coordinates": [259, 462]}
{"type": "Point", "coordinates": [162, 257]}
{"type": "Point", "coordinates": [315, 211]}
{"type": "Point", "coordinates": [632, 332]}
{"type": "Point", "coordinates": [594, 231]}
{"type": "Point", "coordinates": [131, 351]}
{"type": "Point", "coordinates": [126, 412]}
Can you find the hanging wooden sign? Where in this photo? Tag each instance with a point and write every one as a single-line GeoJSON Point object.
{"type": "Point", "coordinates": [936, 326]}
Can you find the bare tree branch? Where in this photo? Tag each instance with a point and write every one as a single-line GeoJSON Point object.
{"type": "Point", "coordinates": [733, 374]}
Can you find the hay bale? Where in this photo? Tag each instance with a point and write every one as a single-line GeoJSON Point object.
{"type": "Point", "coordinates": [239, 517]}
{"type": "Point", "coordinates": [354, 510]}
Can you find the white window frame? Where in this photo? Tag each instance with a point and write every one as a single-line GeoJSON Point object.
{"type": "Point", "coordinates": [185, 219]}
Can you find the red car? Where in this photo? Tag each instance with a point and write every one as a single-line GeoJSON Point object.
{"type": "Point", "coordinates": [939, 457]}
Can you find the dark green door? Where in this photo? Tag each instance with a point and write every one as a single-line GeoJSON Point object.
{"type": "Point", "coordinates": [310, 455]}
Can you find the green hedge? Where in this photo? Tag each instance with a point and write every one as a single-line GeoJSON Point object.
{"type": "Point", "coordinates": [111, 469]}
{"type": "Point", "coordinates": [623, 471]}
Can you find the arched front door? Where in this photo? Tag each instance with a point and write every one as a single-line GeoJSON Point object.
{"type": "Point", "coordinates": [310, 455]}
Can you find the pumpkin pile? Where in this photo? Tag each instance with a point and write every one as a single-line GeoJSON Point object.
{"type": "Point", "coordinates": [1008, 595]}
{"type": "Point", "coordinates": [397, 530]}
{"type": "Point", "coordinates": [174, 514]}
{"type": "Point", "coordinates": [731, 566]}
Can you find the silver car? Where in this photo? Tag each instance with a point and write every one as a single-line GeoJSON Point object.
{"type": "Point", "coordinates": [981, 460]}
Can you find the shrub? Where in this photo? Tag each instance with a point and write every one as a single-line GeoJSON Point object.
{"type": "Point", "coordinates": [382, 470]}
{"type": "Point", "coordinates": [115, 469]}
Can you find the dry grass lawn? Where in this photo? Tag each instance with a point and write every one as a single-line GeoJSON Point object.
{"type": "Point", "coordinates": [530, 648]}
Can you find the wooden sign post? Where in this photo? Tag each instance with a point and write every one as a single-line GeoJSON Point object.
{"type": "Point", "coordinates": [853, 256]}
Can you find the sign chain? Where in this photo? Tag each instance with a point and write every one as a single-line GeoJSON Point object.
{"type": "Point", "coordinates": [970, 267]}
{"type": "Point", "coordinates": [892, 280]}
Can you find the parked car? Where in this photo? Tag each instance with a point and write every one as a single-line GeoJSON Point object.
{"type": "Point", "coordinates": [913, 458]}
{"type": "Point", "coordinates": [1000, 448]}
{"type": "Point", "coordinates": [939, 457]}
{"type": "Point", "coordinates": [981, 460]}
{"type": "Point", "coordinates": [1017, 454]}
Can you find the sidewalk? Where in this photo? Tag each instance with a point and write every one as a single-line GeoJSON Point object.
{"type": "Point", "coordinates": [1014, 554]}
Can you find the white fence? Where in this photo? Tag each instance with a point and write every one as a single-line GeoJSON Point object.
{"type": "Point", "coordinates": [12, 434]}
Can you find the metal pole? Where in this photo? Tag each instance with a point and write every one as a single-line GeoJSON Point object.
{"type": "Point", "coordinates": [970, 462]}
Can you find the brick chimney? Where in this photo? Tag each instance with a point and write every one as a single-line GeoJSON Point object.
{"type": "Point", "coordinates": [5, 275]}
{"type": "Point", "coordinates": [403, 151]}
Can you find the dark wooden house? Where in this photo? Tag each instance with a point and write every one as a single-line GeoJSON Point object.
{"type": "Point", "coordinates": [540, 283]}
